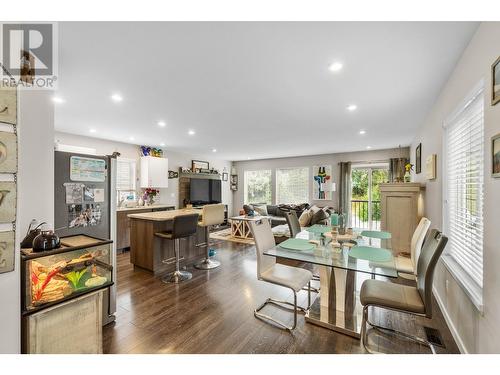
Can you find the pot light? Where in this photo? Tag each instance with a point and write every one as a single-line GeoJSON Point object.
{"type": "Point", "coordinates": [162, 144]}
{"type": "Point", "coordinates": [93, 130]}
{"type": "Point", "coordinates": [352, 107]}
{"type": "Point", "coordinates": [162, 124]}
{"type": "Point", "coordinates": [116, 98]}
{"type": "Point", "coordinates": [131, 139]}
{"type": "Point", "coordinates": [58, 99]}
{"type": "Point", "coordinates": [191, 132]}
{"type": "Point", "coordinates": [214, 150]}
{"type": "Point", "coordinates": [362, 132]}
{"type": "Point", "coordinates": [368, 147]}
{"type": "Point", "coordinates": [335, 66]}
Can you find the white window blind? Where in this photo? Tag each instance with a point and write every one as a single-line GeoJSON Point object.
{"type": "Point", "coordinates": [257, 186]}
{"type": "Point", "coordinates": [292, 185]}
{"type": "Point", "coordinates": [125, 174]}
{"type": "Point", "coordinates": [464, 163]}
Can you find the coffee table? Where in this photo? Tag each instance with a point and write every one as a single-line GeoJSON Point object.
{"type": "Point", "coordinates": [239, 225]}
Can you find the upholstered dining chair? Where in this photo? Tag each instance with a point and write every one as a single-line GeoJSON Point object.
{"type": "Point", "coordinates": [286, 276]}
{"type": "Point", "coordinates": [293, 223]}
{"type": "Point", "coordinates": [407, 299]}
{"type": "Point", "coordinates": [405, 265]}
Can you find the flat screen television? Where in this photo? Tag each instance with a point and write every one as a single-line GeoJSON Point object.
{"type": "Point", "coordinates": [205, 191]}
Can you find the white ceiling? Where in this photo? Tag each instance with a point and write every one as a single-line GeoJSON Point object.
{"type": "Point", "coordinates": [256, 89]}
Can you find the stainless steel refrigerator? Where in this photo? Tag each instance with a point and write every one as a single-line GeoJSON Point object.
{"type": "Point", "coordinates": [85, 203]}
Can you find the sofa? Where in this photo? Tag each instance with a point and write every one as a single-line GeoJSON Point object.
{"type": "Point", "coordinates": [276, 213]}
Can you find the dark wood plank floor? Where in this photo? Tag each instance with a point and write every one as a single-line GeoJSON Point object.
{"type": "Point", "coordinates": [213, 313]}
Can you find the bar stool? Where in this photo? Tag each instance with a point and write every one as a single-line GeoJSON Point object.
{"type": "Point", "coordinates": [184, 226]}
{"type": "Point", "coordinates": [212, 214]}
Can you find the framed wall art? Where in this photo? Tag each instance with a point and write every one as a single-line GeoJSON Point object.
{"type": "Point", "coordinates": [198, 165]}
{"type": "Point", "coordinates": [7, 250]}
{"type": "Point", "coordinates": [430, 167]}
{"type": "Point", "coordinates": [495, 82]}
{"type": "Point", "coordinates": [322, 182]}
{"type": "Point", "coordinates": [495, 156]}
{"type": "Point", "coordinates": [418, 159]}
{"type": "Point", "coordinates": [7, 201]}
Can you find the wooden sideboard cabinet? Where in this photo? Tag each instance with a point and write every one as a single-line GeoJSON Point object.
{"type": "Point", "coordinates": [402, 207]}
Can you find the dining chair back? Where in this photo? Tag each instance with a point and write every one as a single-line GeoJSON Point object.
{"type": "Point", "coordinates": [433, 248]}
{"type": "Point", "coordinates": [417, 241]}
{"type": "Point", "coordinates": [264, 240]}
{"type": "Point", "coordinates": [293, 223]}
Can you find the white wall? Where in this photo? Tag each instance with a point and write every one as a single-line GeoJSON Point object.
{"type": "Point", "coordinates": [474, 332]}
{"type": "Point", "coordinates": [35, 199]}
{"type": "Point", "coordinates": [175, 160]}
{"type": "Point", "coordinates": [309, 161]}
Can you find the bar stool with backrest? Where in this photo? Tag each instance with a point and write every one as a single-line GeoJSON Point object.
{"type": "Point", "coordinates": [286, 276]}
{"type": "Point", "coordinates": [184, 226]}
{"type": "Point", "coordinates": [407, 299]}
{"type": "Point", "coordinates": [213, 214]}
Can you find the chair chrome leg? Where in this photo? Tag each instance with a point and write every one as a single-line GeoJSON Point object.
{"type": "Point", "coordinates": [207, 263]}
{"type": "Point", "coordinates": [177, 276]}
{"type": "Point", "coordinates": [267, 318]}
{"type": "Point", "coordinates": [366, 321]}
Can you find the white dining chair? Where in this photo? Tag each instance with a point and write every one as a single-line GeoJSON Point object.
{"type": "Point", "coordinates": [286, 276]}
{"type": "Point", "coordinates": [408, 266]}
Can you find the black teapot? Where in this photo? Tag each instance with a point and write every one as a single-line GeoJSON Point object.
{"type": "Point", "coordinates": [46, 240]}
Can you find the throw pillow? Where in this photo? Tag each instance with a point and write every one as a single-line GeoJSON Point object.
{"type": "Point", "coordinates": [261, 209]}
{"type": "Point", "coordinates": [304, 218]}
{"type": "Point", "coordinates": [319, 217]}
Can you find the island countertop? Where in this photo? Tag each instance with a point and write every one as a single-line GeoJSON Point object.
{"type": "Point", "coordinates": [165, 215]}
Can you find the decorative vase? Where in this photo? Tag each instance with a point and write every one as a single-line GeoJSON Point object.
{"type": "Point", "coordinates": [407, 176]}
{"type": "Point", "coordinates": [140, 202]}
{"type": "Point", "coordinates": [151, 200]}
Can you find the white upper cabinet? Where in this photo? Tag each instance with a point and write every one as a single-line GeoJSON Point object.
{"type": "Point", "coordinates": [154, 172]}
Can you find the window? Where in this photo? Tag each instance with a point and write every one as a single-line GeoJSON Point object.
{"type": "Point", "coordinates": [463, 189]}
{"type": "Point", "coordinates": [257, 186]}
{"type": "Point", "coordinates": [125, 178]}
{"type": "Point", "coordinates": [292, 185]}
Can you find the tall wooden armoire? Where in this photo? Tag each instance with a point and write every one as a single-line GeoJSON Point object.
{"type": "Point", "coordinates": [402, 207]}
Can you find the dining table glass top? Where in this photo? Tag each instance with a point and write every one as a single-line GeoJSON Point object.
{"type": "Point", "coordinates": [381, 262]}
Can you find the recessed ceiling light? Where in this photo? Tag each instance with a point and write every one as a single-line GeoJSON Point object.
{"type": "Point", "coordinates": [191, 132]}
{"type": "Point", "coordinates": [368, 147]}
{"type": "Point", "coordinates": [162, 144]}
{"type": "Point", "coordinates": [214, 150]}
{"type": "Point", "coordinates": [352, 107]}
{"type": "Point", "coordinates": [362, 132]}
{"type": "Point", "coordinates": [335, 67]}
{"type": "Point", "coordinates": [58, 99]}
{"type": "Point", "coordinates": [92, 130]}
{"type": "Point", "coordinates": [248, 158]}
{"type": "Point", "coordinates": [162, 124]}
{"type": "Point", "coordinates": [131, 138]}
{"type": "Point", "coordinates": [116, 98]}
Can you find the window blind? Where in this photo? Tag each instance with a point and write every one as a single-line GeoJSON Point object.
{"type": "Point", "coordinates": [125, 175]}
{"type": "Point", "coordinates": [292, 185]}
{"type": "Point", "coordinates": [464, 142]}
{"type": "Point", "coordinates": [257, 186]}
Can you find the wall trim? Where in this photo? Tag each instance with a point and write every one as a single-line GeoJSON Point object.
{"type": "Point", "coordinates": [451, 326]}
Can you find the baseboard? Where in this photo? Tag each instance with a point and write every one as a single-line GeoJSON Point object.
{"type": "Point", "coordinates": [451, 326]}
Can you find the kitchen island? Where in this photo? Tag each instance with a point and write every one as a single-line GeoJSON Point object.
{"type": "Point", "coordinates": [155, 254]}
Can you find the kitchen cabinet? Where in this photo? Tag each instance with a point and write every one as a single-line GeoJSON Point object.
{"type": "Point", "coordinates": [154, 172]}
{"type": "Point", "coordinates": [123, 223]}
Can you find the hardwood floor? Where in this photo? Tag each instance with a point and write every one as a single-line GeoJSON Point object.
{"type": "Point", "coordinates": [213, 313]}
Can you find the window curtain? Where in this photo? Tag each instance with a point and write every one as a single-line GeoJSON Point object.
{"type": "Point", "coordinates": [397, 169]}
{"type": "Point", "coordinates": [345, 189]}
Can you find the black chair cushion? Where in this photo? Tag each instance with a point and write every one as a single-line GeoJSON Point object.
{"type": "Point", "coordinates": [185, 225]}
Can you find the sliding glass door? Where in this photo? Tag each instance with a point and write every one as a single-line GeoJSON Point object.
{"type": "Point", "coordinates": [365, 195]}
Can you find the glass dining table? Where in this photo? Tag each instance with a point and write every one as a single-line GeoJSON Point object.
{"type": "Point", "coordinates": [341, 273]}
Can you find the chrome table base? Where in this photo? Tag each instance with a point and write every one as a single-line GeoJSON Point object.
{"type": "Point", "coordinates": [207, 264]}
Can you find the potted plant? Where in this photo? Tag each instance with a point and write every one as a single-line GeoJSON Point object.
{"type": "Point", "coordinates": [149, 196]}
{"type": "Point", "coordinates": [408, 168]}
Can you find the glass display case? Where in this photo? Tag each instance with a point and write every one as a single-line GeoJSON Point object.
{"type": "Point", "coordinates": [82, 264]}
